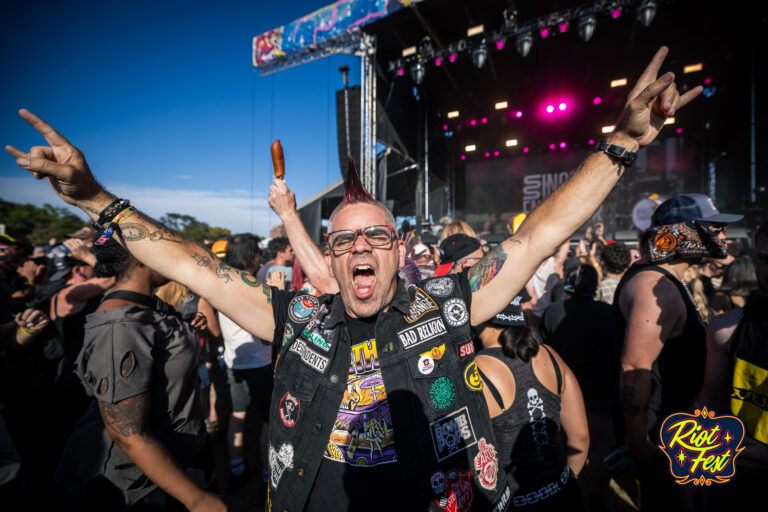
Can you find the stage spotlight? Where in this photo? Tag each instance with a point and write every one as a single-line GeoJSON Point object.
{"type": "Point", "coordinates": [615, 12]}
{"type": "Point", "coordinates": [452, 114]}
{"type": "Point", "coordinates": [707, 81]}
{"type": "Point", "coordinates": [470, 148]}
{"type": "Point", "coordinates": [473, 31]}
{"type": "Point", "coordinates": [607, 129]}
{"type": "Point", "coordinates": [438, 61]}
{"type": "Point", "coordinates": [693, 68]}
{"type": "Point", "coordinates": [479, 55]}
{"type": "Point", "coordinates": [597, 100]}
{"type": "Point", "coordinates": [484, 120]}
{"type": "Point", "coordinates": [417, 72]}
{"type": "Point", "coordinates": [518, 114]}
{"type": "Point", "coordinates": [544, 33]}
{"type": "Point", "coordinates": [550, 109]}
{"type": "Point", "coordinates": [500, 44]}
{"type": "Point", "coordinates": [524, 43]}
{"type": "Point", "coordinates": [646, 11]}
{"type": "Point", "coordinates": [400, 72]}
{"type": "Point", "coordinates": [511, 142]}
{"type": "Point", "coordinates": [587, 24]}
{"type": "Point", "coordinates": [563, 27]}
{"type": "Point", "coordinates": [452, 57]}
{"type": "Point", "coordinates": [620, 82]}
{"type": "Point", "coordinates": [525, 150]}
{"type": "Point", "coordinates": [669, 120]}
{"type": "Point", "coordinates": [473, 122]}
{"type": "Point", "coordinates": [487, 154]}
{"type": "Point", "coordinates": [551, 147]}
{"type": "Point", "coordinates": [562, 106]}
{"type": "Point", "coordinates": [563, 145]}
{"type": "Point", "coordinates": [495, 153]}
{"type": "Point", "coordinates": [500, 105]}
{"type": "Point", "coordinates": [510, 17]}
{"type": "Point", "coordinates": [591, 142]}
{"type": "Point", "coordinates": [463, 157]}
{"type": "Point", "coordinates": [445, 127]}
{"type": "Point", "coordinates": [679, 130]}
{"type": "Point", "coordinates": [407, 52]}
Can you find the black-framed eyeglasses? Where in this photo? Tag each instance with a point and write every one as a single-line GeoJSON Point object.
{"type": "Point", "coordinates": [343, 240]}
{"type": "Point", "coordinates": [715, 227]}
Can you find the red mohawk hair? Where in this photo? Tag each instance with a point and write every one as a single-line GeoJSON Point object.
{"type": "Point", "coordinates": [354, 191]}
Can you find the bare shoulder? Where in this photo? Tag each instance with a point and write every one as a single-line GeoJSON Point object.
{"type": "Point", "coordinates": [651, 290]}
{"type": "Point", "coordinates": [722, 327]}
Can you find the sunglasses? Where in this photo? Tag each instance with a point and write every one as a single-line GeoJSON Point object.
{"type": "Point", "coordinates": [343, 240]}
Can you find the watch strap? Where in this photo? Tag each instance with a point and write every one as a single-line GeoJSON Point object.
{"type": "Point", "coordinates": [626, 157]}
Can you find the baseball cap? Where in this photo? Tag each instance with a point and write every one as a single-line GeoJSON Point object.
{"type": "Point", "coordinates": [219, 248]}
{"type": "Point", "coordinates": [453, 249]}
{"type": "Point", "coordinates": [511, 315]}
{"type": "Point", "coordinates": [690, 207]}
{"type": "Point", "coordinates": [6, 241]}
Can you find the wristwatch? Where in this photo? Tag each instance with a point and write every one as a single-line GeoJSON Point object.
{"type": "Point", "coordinates": [626, 157]}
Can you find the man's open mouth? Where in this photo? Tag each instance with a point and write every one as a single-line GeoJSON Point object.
{"type": "Point", "coordinates": [363, 279]}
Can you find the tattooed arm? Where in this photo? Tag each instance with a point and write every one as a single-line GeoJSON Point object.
{"type": "Point", "coordinates": [237, 294]}
{"type": "Point", "coordinates": [655, 312]}
{"type": "Point", "coordinates": [125, 423]}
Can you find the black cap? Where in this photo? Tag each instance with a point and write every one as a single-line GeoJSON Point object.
{"type": "Point", "coordinates": [453, 248]}
{"type": "Point", "coordinates": [511, 315]}
{"type": "Point", "coordinates": [690, 207]}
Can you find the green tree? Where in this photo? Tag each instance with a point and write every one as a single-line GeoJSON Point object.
{"type": "Point", "coordinates": [38, 225]}
{"type": "Point", "coordinates": [192, 228]}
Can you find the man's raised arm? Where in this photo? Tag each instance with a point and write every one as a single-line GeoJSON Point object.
{"type": "Point", "coordinates": [504, 271]}
{"type": "Point", "coordinates": [237, 294]}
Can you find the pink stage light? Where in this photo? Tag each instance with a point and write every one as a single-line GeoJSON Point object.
{"type": "Point", "coordinates": [591, 142]}
{"type": "Point", "coordinates": [563, 145]}
{"type": "Point", "coordinates": [495, 153]}
{"type": "Point", "coordinates": [487, 154]}
{"type": "Point", "coordinates": [518, 114]}
{"type": "Point", "coordinates": [544, 33]}
{"type": "Point", "coordinates": [452, 57]}
{"type": "Point", "coordinates": [598, 100]}
{"type": "Point", "coordinates": [484, 120]}
{"type": "Point", "coordinates": [499, 45]}
{"type": "Point", "coordinates": [463, 157]}
{"type": "Point", "coordinates": [616, 13]}
{"type": "Point", "coordinates": [563, 27]}
{"type": "Point", "coordinates": [679, 130]}
{"type": "Point", "coordinates": [473, 122]}
{"type": "Point", "coordinates": [707, 81]}
{"type": "Point", "coordinates": [438, 61]}
{"type": "Point", "coordinates": [551, 147]}
{"type": "Point", "coordinates": [445, 127]}
{"type": "Point", "coordinates": [550, 109]}
{"type": "Point", "coordinates": [562, 106]}
{"type": "Point", "coordinates": [525, 150]}
{"type": "Point", "coordinates": [400, 72]}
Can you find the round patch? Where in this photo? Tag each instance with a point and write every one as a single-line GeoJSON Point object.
{"type": "Point", "coordinates": [441, 287]}
{"type": "Point", "coordinates": [455, 312]}
{"type": "Point", "coordinates": [472, 377]}
{"type": "Point", "coordinates": [426, 365]}
{"type": "Point", "coordinates": [665, 242]}
{"type": "Point", "coordinates": [303, 308]}
{"type": "Point", "coordinates": [442, 393]}
{"type": "Point", "coordinates": [289, 409]}
{"type": "Point", "coordinates": [287, 333]}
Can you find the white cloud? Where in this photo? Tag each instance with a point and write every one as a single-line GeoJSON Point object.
{"type": "Point", "coordinates": [233, 209]}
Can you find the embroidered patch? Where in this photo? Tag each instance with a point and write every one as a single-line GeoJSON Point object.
{"type": "Point", "coordinates": [665, 242]}
{"type": "Point", "coordinates": [442, 286]}
{"type": "Point", "coordinates": [287, 333]}
{"type": "Point", "coordinates": [503, 501]}
{"type": "Point", "coordinates": [279, 461]}
{"type": "Point", "coordinates": [426, 365]}
{"type": "Point", "coordinates": [309, 356]}
{"type": "Point", "coordinates": [486, 465]}
{"type": "Point", "coordinates": [422, 303]}
{"type": "Point", "coordinates": [472, 377]}
{"type": "Point", "coordinates": [316, 339]}
{"type": "Point", "coordinates": [455, 312]}
{"type": "Point", "coordinates": [422, 332]}
{"type": "Point", "coordinates": [452, 434]}
{"type": "Point", "coordinates": [303, 308]}
{"type": "Point", "coordinates": [453, 490]}
{"type": "Point", "coordinates": [435, 353]}
{"type": "Point", "coordinates": [467, 349]}
{"type": "Point", "coordinates": [441, 393]}
{"type": "Point", "coordinates": [289, 409]}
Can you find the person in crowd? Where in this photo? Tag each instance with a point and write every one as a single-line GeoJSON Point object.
{"type": "Point", "coordinates": [711, 273]}
{"type": "Point", "coordinates": [352, 407]}
{"type": "Point", "coordinates": [695, 285]}
{"type": "Point", "coordinates": [455, 228]}
{"type": "Point", "coordinates": [634, 255]}
{"type": "Point", "coordinates": [533, 397]}
{"type": "Point", "coordinates": [249, 363]}
{"type": "Point", "coordinates": [615, 259]}
{"type": "Point", "coordinates": [457, 253]}
{"type": "Point", "coordinates": [734, 383]}
{"type": "Point", "coordinates": [546, 277]}
{"type": "Point", "coordinates": [282, 259]}
{"type": "Point", "coordinates": [663, 331]}
{"type": "Point", "coordinates": [139, 362]}
{"type": "Point", "coordinates": [739, 286]}
{"type": "Point", "coordinates": [584, 332]}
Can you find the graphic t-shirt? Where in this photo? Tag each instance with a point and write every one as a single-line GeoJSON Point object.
{"type": "Point", "coordinates": [361, 448]}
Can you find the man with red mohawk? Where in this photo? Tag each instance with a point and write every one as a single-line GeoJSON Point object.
{"type": "Point", "coordinates": [377, 400]}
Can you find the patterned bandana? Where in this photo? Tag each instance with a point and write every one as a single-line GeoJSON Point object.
{"type": "Point", "coordinates": [684, 240]}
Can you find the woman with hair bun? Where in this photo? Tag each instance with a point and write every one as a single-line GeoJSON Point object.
{"type": "Point", "coordinates": [139, 362]}
{"type": "Point", "coordinates": [532, 397]}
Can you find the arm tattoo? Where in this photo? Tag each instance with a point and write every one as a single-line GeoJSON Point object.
{"type": "Point", "coordinates": [628, 404]}
{"type": "Point", "coordinates": [202, 260]}
{"type": "Point", "coordinates": [134, 232]}
{"type": "Point", "coordinates": [127, 417]}
{"type": "Point", "coordinates": [222, 271]}
{"type": "Point", "coordinates": [268, 292]}
{"type": "Point", "coordinates": [486, 269]}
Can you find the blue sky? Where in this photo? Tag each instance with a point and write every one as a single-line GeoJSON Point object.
{"type": "Point", "coordinates": [164, 101]}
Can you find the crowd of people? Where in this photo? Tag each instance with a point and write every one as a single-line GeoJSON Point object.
{"type": "Point", "coordinates": [377, 370]}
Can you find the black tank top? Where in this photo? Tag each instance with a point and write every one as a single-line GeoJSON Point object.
{"type": "Point", "coordinates": [528, 433]}
{"type": "Point", "coordinates": [72, 328]}
{"type": "Point", "coordinates": [678, 372]}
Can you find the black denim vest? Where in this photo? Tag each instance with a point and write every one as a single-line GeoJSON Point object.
{"type": "Point", "coordinates": [443, 435]}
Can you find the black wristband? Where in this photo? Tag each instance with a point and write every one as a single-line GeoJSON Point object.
{"type": "Point", "coordinates": [626, 157]}
{"type": "Point", "coordinates": [108, 213]}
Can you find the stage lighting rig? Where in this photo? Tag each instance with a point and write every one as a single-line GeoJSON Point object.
{"type": "Point", "coordinates": [646, 11]}
{"type": "Point", "coordinates": [587, 24]}
{"type": "Point", "coordinates": [417, 72]}
{"type": "Point", "coordinates": [524, 42]}
{"type": "Point", "coordinates": [480, 54]}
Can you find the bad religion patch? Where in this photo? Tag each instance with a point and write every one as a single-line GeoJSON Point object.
{"type": "Point", "coordinates": [422, 332]}
{"type": "Point", "coordinates": [309, 356]}
{"type": "Point", "coordinates": [422, 304]}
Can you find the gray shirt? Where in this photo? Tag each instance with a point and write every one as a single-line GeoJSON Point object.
{"type": "Point", "coordinates": [160, 354]}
